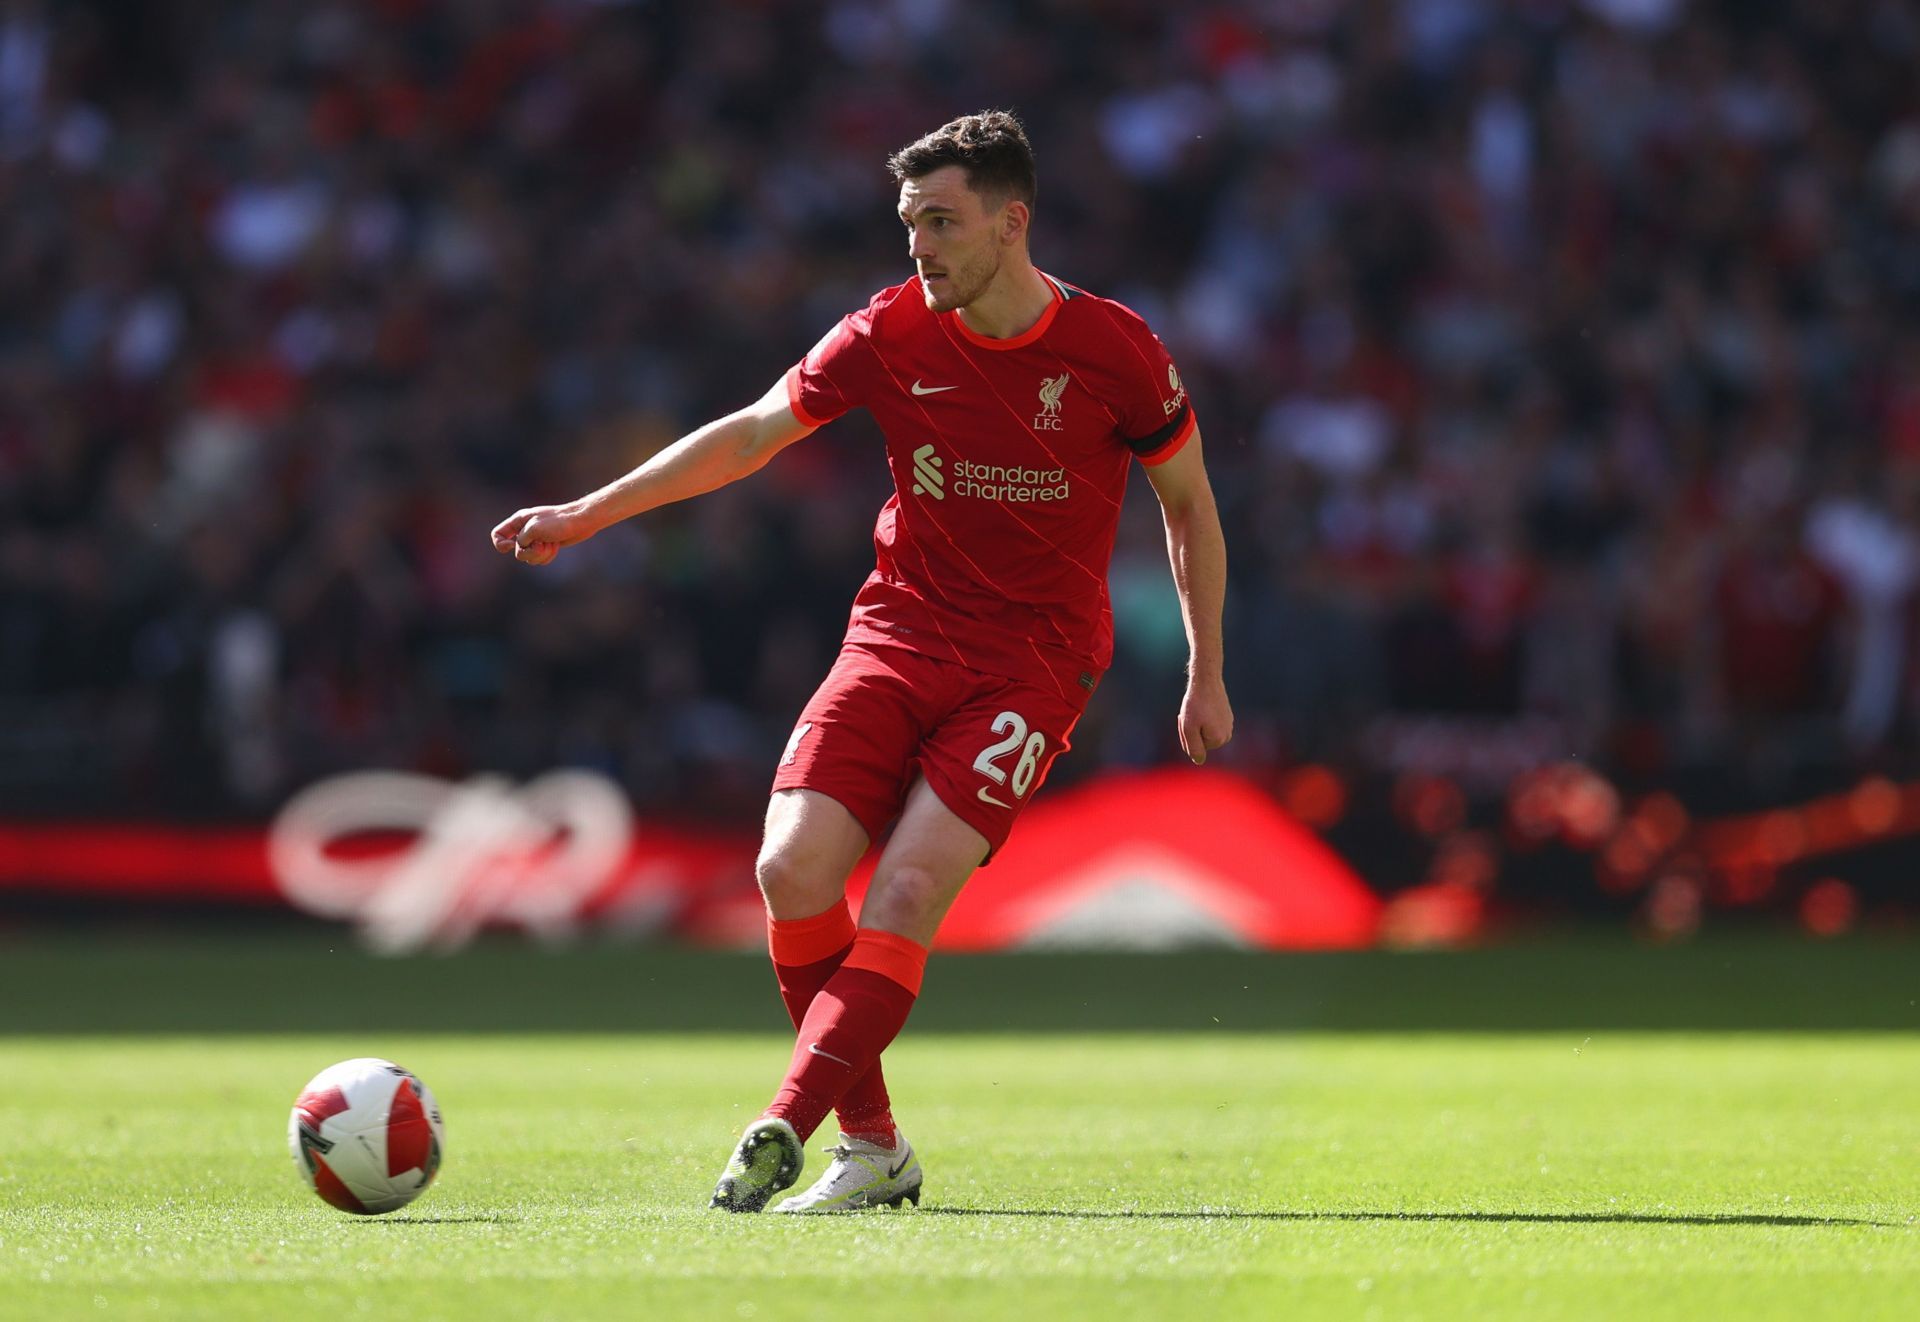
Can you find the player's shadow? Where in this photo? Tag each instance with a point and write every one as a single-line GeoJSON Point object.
{"type": "Point", "coordinates": [477, 1217]}
{"type": "Point", "coordinates": [1550, 1218]}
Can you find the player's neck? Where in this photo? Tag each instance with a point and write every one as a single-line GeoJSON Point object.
{"type": "Point", "coordinates": [1017, 298]}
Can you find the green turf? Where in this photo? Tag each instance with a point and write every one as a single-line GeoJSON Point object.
{"type": "Point", "coordinates": [1580, 1172]}
{"type": "Point", "coordinates": [1133, 1177]}
{"type": "Point", "coordinates": [289, 981]}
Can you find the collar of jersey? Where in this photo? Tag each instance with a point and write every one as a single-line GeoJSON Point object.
{"type": "Point", "coordinates": [1025, 337]}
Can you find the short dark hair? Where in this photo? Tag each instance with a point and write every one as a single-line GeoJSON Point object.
{"type": "Point", "coordinates": [991, 147]}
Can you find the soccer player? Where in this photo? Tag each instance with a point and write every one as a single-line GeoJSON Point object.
{"type": "Point", "coordinates": [1013, 405]}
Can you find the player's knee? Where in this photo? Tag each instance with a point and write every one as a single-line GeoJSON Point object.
{"type": "Point", "coordinates": [791, 885]}
{"type": "Point", "coordinates": [907, 899]}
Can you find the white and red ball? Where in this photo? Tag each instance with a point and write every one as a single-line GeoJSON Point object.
{"type": "Point", "coordinates": [366, 1136]}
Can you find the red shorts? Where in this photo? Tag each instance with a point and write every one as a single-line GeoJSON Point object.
{"type": "Point", "coordinates": [885, 715]}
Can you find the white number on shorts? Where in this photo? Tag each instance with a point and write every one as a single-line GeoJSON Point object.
{"type": "Point", "coordinates": [1029, 764]}
{"type": "Point", "coordinates": [1015, 727]}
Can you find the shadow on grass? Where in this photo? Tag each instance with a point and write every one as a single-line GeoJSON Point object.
{"type": "Point", "coordinates": [1549, 1218]}
{"type": "Point", "coordinates": [478, 1217]}
{"type": "Point", "coordinates": [183, 983]}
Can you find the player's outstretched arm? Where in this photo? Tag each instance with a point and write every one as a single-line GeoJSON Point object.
{"type": "Point", "coordinates": [718, 453]}
{"type": "Point", "coordinates": [1198, 551]}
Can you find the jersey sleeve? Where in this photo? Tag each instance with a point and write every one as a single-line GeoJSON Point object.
{"type": "Point", "coordinates": [834, 376]}
{"type": "Point", "coordinates": [1155, 418]}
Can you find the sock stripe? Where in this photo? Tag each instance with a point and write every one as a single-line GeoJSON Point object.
{"type": "Point", "coordinates": [892, 956]}
{"type": "Point", "coordinates": [809, 940]}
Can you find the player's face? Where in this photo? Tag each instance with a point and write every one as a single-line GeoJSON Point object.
{"type": "Point", "coordinates": [952, 237]}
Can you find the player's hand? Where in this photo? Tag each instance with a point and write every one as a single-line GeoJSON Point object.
{"type": "Point", "coordinates": [1206, 718]}
{"type": "Point", "coordinates": [535, 536]}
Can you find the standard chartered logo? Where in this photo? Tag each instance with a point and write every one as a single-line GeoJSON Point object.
{"type": "Point", "coordinates": [926, 467]}
{"type": "Point", "coordinates": [1020, 486]}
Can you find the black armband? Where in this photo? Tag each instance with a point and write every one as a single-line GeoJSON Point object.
{"type": "Point", "coordinates": [1148, 444]}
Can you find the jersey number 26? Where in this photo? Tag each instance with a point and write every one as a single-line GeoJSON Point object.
{"type": "Point", "coordinates": [1014, 726]}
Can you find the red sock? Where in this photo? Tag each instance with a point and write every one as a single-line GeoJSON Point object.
{"type": "Point", "coordinates": [860, 1010]}
{"type": "Point", "coordinates": [806, 953]}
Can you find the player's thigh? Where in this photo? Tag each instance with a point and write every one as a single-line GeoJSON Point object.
{"type": "Point", "coordinates": [809, 845]}
{"type": "Point", "coordinates": [920, 873]}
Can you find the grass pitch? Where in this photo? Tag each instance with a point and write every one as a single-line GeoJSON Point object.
{"type": "Point", "coordinates": [1210, 1170]}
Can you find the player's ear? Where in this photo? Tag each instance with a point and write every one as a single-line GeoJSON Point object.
{"type": "Point", "coordinates": [1015, 216]}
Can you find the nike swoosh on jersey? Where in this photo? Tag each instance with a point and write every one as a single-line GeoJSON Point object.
{"type": "Point", "coordinates": [919, 389]}
{"type": "Point", "coordinates": [988, 798]}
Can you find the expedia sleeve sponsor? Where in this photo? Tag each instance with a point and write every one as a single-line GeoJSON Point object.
{"type": "Point", "coordinates": [1021, 486]}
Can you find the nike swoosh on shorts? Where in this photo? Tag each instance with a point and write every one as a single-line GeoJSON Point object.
{"type": "Point", "coordinates": [988, 798]}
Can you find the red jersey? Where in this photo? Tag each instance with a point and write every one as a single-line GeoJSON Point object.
{"type": "Point", "coordinates": [1009, 461]}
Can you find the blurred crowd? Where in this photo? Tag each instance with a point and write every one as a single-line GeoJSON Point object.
{"type": "Point", "coordinates": [1558, 363]}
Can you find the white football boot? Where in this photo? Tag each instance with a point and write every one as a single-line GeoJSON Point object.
{"type": "Point", "coordinates": [862, 1175]}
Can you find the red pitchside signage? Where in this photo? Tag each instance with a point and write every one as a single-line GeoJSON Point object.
{"type": "Point", "coordinates": [1142, 861]}
{"type": "Point", "coordinates": [1164, 858]}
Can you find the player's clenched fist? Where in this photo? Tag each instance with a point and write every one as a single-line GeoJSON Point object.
{"type": "Point", "coordinates": [1206, 719]}
{"type": "Point", "coordinates": [534, 536]}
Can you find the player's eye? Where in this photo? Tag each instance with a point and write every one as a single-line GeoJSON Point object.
{"type": "Point", "coordinates": [939, 222]}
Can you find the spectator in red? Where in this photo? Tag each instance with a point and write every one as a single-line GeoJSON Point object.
{"type": "Point", "coordinates": [1775, 614]}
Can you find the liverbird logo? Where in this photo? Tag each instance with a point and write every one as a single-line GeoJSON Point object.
{"type": "Point", "coordinates": [1051, 389]}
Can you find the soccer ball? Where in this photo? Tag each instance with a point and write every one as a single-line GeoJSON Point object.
{"type": "Point", "coordinates": [366, 1136]}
